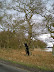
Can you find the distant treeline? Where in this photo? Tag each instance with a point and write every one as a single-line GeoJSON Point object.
{"type": "Point", "coordinates": [14, 40]}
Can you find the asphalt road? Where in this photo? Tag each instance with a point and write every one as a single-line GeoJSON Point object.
{"type": "Point", "coordinates": [8, 68]}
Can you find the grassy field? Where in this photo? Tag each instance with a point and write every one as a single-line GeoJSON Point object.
{"type": "Point", "coordinates": [38, 58]}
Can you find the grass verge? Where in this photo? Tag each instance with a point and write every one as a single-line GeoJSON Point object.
{"type": "Point", "coordinates": [38, 59]}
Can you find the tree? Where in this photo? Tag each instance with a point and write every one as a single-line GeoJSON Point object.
{"type": "Point", "coordinates": [50, 26]}
{"type": "Point", "coordinates": [30, 7]}
{"type": "Point", "coordinates": [50, 23]}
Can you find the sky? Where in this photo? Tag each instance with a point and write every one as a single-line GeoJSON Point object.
{"type": "Point", "coordinates": [50, 2]}
{"type": "Point", "coordinates": [47, 39]}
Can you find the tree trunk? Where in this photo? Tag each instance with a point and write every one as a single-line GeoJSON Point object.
{"type": "Point", "coordinates": [30, 28]}
{"type": "Point", "coordinates": [30, 35]}
{"type": "Point", "coordinates": [53, 51]}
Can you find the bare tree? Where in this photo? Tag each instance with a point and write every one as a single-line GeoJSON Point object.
{"type": "Point", "coordinates": [49, 19]}
{"type": "Point", "coordinates": [30, 7]}
{"type": "Point", "coordinates": [50, 26]}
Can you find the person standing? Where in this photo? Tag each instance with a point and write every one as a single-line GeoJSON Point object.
{"type": "Point", "coordinates": [27, 49]}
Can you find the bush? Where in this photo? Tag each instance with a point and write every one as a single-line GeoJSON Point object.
{"type": "Point", "coordinates": [10, 39]}
{"type": "Point", "coordinates": [36, 44]}
{"type": "Point", "coordinates": [40, 44]}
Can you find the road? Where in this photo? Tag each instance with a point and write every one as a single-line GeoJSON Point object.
{"type": "Point", "coordinates": [8, 68]}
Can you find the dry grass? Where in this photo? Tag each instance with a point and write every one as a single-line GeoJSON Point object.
{"type": "Point", "coordinates": [38, 58]}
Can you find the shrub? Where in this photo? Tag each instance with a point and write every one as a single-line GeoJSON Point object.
{"type": "Point", "coordinates": [10, 39]}
{"type": "Point", "coordinates": [39, 44]}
